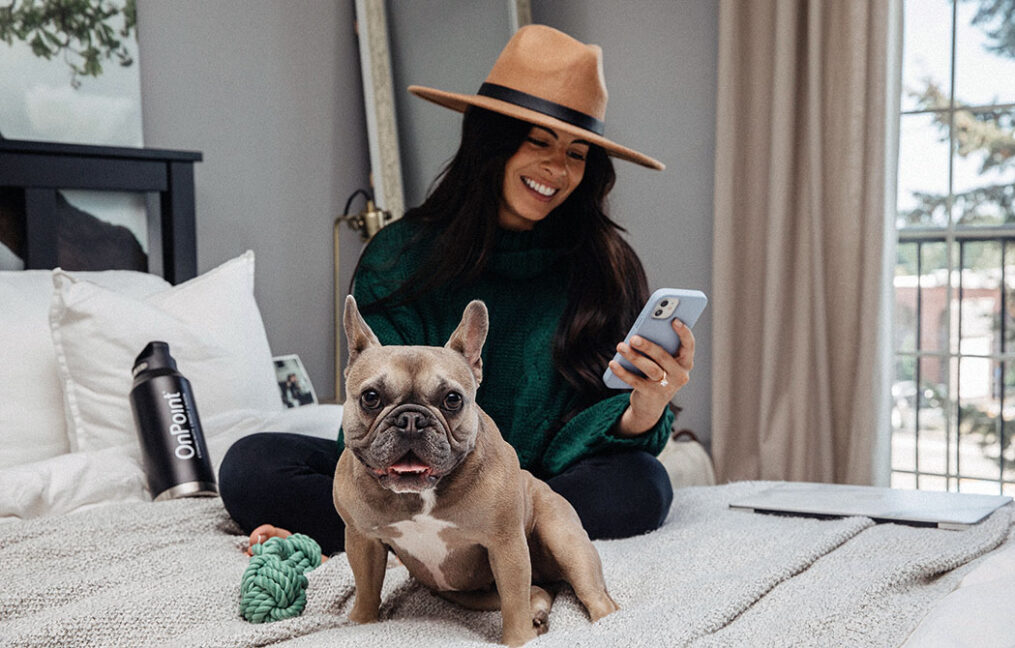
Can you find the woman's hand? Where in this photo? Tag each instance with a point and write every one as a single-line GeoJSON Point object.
{"type": "Point", "coordinates": [665, 374]}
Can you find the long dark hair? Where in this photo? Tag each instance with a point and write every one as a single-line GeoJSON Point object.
{"type": "Point", "coordinates": [606, 282]}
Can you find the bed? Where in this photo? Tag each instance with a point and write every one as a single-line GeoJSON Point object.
{"type": "Point", "coordinates": [86, 559]}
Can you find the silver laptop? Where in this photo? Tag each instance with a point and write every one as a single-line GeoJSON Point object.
{"type": "Point", "coordinates": [918, 508]}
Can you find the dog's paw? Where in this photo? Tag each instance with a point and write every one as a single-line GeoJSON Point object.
{"type": "Point", "coordinates": [606, 605]}
{"type": "Point", "coordinates": [518, 639]}
{"type": "Point", "coordinates": [541, 621]}
{"type": "Point", "coordinates": [363, 616]}
{"type": "Point", "coordinates": [541, 602]}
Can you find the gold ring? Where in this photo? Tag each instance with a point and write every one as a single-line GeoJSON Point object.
{"type": "Point", "coordinates": [662, 381]}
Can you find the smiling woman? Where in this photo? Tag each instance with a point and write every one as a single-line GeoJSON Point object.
{"type": "Point", "coordinates": [518, 220]}
{"type": "Point", "coordinates": [540, 176]}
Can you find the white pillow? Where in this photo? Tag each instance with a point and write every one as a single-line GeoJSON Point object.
{"type": "Point", "coordinates": [32, 422]}
{"type": "Point", "coordinates": [977, 614]}
{"type": "Point", "coordinates": [214, 331]}
{"type": "Point", "coordinates": [77, 481]}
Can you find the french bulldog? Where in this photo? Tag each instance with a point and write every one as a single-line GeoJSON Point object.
{"type": "Point", "coordinates": [426, 474]}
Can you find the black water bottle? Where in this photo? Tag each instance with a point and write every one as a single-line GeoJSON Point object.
{"type": "Point", "coordinates": [172, 444]}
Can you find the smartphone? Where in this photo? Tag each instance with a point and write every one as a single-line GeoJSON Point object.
{"type": "Point", "coordinates": [655, 323]}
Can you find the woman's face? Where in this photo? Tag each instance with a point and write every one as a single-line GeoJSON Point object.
{"type": "Point", "coordinates": [540, 176]}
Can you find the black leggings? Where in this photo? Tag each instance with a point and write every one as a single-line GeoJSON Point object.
{"type": "Point", "coordinates": [285, 480]}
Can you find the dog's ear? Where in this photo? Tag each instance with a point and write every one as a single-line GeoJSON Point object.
{"type": "Point", "coordinates": [357, 332]}
{"type": "Point", "coordinates": [469, 337]}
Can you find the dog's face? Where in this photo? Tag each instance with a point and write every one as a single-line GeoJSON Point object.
{"type": "Point", "coordinates": [410, 414]}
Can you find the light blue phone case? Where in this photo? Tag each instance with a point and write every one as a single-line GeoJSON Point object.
{"type": "Point", "coordinates": [690, 304]}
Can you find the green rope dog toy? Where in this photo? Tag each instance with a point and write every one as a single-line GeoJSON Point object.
{"type": "Point", "coordinates": [274, 585]}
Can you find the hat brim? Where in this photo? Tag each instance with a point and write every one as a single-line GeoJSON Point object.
{"type": "Point", "coordinates": [460, 102]}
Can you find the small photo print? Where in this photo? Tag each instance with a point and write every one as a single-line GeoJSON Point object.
{"type": "Point", "coordinates": [293, 381]}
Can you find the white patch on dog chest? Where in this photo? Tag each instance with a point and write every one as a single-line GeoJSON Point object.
{"type": "Point", "coordinates": [420, 538]}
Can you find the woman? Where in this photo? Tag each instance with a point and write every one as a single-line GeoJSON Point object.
{"type": "Point", "coordinates": [518, 220]}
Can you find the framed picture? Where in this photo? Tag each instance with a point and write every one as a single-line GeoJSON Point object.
{"type": "Point", "coordinates": [69, 72]}
{"type": "Point", "coordinates": [293, 382]}
{"type": "Point", "coordinates": [70, 75]}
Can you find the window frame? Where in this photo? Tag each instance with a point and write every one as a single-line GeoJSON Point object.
{"type": "Point", "coordinates": [955, 237]}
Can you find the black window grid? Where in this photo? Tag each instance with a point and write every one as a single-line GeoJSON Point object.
{"type": "Point", "coordinates": [952, 355]}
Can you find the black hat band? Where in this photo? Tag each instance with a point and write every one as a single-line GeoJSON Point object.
{"type": "Point", "coordinates": [540, 105]}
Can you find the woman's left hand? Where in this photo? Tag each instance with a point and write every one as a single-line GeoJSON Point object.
{"type": "Point", "coordinates": [664, 375]}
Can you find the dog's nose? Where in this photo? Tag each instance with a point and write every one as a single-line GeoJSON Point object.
{"type": "Point", "coordinates": [411, 421]}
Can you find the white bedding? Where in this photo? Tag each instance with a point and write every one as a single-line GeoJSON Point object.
{"type": "Point", "coordinates": [87, 559]}
{"type": "Point", "coordinates": [978, 613]}
{"type": "Point", "coordinates": [168, 574]}
{"type": "Point", "coordinates": [80, 480]}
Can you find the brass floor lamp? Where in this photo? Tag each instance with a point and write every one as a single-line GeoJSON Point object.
{"type": "Point", "coordinates": [367, 222]}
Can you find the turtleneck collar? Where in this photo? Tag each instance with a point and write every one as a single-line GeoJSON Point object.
{"type": "Point", "coordinates": [525, 254]}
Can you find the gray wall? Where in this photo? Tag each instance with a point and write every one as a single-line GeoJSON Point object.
{"type": "Point", "coordinates": [444, 44]}
{"type": "Point", "coordinates": [270, 92]}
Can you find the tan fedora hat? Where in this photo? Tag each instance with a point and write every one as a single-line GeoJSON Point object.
{"type": "Point", "coordinates": [547, 78]}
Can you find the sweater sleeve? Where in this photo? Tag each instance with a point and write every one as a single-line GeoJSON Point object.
{"type": "Point", "coordinates": [591, 432]}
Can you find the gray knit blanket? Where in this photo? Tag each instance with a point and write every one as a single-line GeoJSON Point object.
{"type": "Point", "coordinates": [168, 574]}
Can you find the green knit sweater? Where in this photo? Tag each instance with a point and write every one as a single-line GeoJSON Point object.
{"type": "Point", "coordinates": [524, 287]}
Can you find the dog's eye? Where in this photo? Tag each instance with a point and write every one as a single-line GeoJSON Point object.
{"type": "Point", "coordinates": [453, 401]}
{"type": "Point", "coordinates": [370, 399]}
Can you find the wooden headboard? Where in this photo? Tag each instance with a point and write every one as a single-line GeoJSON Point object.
{"type": "Point", "coordinates": [33, 173]}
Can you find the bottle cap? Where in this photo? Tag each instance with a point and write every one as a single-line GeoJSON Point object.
{"type": "Point", "coordinates": [154, 356]}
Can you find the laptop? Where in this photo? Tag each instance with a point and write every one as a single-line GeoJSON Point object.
{"type": "Point", "coordinates": [918, 508]}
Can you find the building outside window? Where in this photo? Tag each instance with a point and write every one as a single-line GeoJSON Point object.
{"type": "Point", "coordinates": [953, 419]}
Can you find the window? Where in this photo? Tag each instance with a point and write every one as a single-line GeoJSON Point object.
{"type": "Point", "coordinates": [953, 418]}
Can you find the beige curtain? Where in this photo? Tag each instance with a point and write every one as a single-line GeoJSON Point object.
{"type": "Point", "coordinates": [805, 114]}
